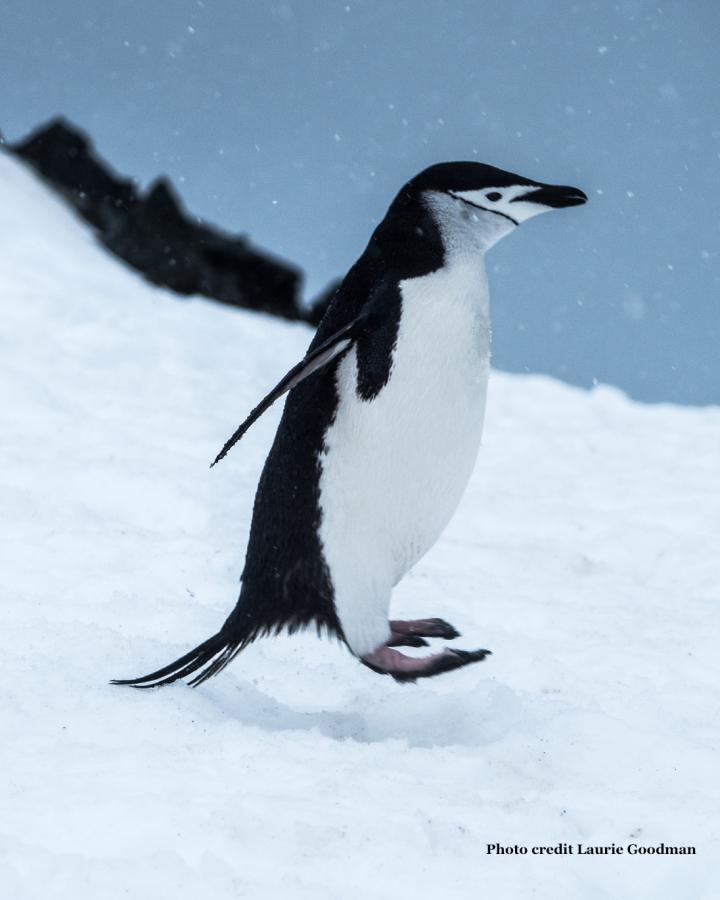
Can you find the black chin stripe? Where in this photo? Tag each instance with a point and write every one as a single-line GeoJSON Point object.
{"type": "Point", "coordinates": [484, 208]}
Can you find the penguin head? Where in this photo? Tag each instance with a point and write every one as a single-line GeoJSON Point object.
{"type": "Point", "coordinates": [477, 200]}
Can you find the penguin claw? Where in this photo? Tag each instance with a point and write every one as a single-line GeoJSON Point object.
{"type": "Point", "coordinates": [432, 628]}
{"type": "Point", "coordinates": [444, 630]}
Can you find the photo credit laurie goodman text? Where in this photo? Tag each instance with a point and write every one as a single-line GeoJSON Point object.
{"type": "Point", "coordinates": [567, 849]}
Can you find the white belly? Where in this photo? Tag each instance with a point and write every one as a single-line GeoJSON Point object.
{"type": "Point", "coordinates": [395, 468]}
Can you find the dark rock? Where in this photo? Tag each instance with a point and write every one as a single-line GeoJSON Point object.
{"type": "Point", "coordinates": [64, 157]}
{"type": "Point", "coordinates": [154, 234]}
{"type": "Point", "coordinates": [158, 239]}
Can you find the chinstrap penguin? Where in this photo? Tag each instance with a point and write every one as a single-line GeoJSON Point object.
{"type": "Point", "coordinates": [380, 430]}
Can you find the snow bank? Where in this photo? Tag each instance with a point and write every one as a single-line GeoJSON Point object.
{"type": "Point", "coordinates": [584, 555]}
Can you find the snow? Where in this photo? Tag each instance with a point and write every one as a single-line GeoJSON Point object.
{"type": "Point", "coordinates": [584, 555]}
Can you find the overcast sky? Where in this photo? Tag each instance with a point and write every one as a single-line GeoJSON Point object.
{"type": "Point", "coordinates": [297, 122]}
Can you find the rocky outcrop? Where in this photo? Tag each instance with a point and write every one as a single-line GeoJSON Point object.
{"type": "Point", "coordinates": [152, 232]}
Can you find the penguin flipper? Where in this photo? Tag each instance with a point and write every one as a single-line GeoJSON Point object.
{"type": "Point", "coordinates": [315, 359]}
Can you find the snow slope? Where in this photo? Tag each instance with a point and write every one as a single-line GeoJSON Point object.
{"type": "Point", "coordinates": [584, 555]}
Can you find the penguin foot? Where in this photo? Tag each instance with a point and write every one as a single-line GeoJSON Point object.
{"type": "Point", "coordinates": [433, 628]}
{"type": "Point", "coordinates": [403, 668]}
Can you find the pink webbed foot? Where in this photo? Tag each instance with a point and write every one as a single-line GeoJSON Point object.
{"type": "Point", "coordinates": [386, 661]}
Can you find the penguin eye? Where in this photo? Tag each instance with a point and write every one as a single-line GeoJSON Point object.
{"type": "Point", "coordinates": [493, 195]}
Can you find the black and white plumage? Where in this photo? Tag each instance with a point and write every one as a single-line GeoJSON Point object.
{"type": "Point", "coordinates": [380, 430]}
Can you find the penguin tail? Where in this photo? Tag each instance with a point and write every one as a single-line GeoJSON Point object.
{"type": "Point", "coordinates": [207, 659]}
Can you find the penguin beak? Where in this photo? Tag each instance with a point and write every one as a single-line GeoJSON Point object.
{"type": "Point", "coordinates": [555, 196]}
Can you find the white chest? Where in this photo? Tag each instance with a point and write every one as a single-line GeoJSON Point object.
{"type": "Point", "coordinates": [395, 467]}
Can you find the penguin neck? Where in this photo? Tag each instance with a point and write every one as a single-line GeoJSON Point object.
{"type": "Point", "coordinates": [428, 235]}
{"type": "Point", "coordinates": [466, 277]}
{"type": "Point", "coordinates": [449, 309]}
